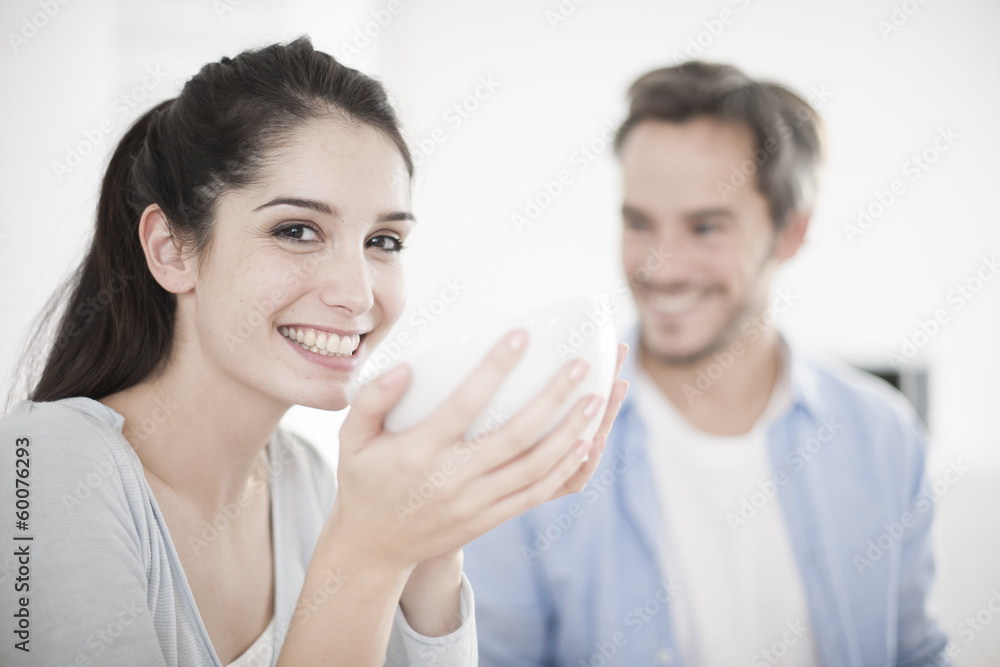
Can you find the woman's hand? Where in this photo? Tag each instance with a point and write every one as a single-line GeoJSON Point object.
{"type": "Point", "coordinates": [407, 502]}
{"type": "Point", "coordinates": [403, 498]}
{"type": "Point", "coordinates": [618, 390]}
{"type": "Point", "coordinates": [430, 599]}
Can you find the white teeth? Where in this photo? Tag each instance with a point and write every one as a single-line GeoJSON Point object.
{"type": "Point", "coordinates": [327, 344]}
{"type": "Point", "coordinates": [346, 344]}
{"type": "Point", "coordinates": [674, 304]}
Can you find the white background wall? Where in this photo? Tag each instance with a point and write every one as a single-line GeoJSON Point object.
{"type": "Point", "coordinates": [887, 97]}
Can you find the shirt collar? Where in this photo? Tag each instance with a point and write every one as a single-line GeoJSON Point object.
{"type": "Point", "coordinates": [805, 391]}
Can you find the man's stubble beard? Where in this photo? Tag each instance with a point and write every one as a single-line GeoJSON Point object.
{"type": "Point", "coordinates": [742, 312]}
{"type": "Point", "coordinates": [723, 339]}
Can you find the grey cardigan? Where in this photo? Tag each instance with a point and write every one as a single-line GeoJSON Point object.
{"type": "Point", "coordinates": [92, 577]}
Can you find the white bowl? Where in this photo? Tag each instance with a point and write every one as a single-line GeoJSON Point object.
{"type": "Point", "coordinates": [582, 327]}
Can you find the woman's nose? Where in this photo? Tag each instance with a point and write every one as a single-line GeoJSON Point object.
{"type": "Point", "coordinates": [346, 282]}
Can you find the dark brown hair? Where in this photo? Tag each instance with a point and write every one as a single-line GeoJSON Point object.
{"type": "Point", "coordinates": [788, 146]}
{"type": "Point", "coordinates": [118, 324]}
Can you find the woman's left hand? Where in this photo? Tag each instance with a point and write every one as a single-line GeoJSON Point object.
{"type": "Point", "coordinates": [618, 390]}
{"type": "Point", "coordinates": [430, 600]}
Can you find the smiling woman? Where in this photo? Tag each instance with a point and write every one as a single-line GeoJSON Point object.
{"type": "Point", "coordinates": [246, 258]}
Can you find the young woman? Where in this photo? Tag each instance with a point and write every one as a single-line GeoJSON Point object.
{"type": "Point", "coordinates": [246, 259]}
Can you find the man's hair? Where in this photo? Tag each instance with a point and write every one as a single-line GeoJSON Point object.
{"type": "Point", "coordinates": [788, 144]}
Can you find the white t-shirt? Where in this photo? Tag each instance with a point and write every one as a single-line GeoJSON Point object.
{"type": "Point", "coordinates": [742, 601]}
{"type": "Point", "coordinates": [260, 653]}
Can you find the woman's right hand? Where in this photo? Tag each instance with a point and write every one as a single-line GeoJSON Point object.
{"type": "Point", "coordinates": [405, 497]}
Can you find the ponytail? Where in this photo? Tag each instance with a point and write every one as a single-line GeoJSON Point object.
{"type": "Point", "coordinates": [118, 323]}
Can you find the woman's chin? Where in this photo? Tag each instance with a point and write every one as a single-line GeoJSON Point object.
{"type": "Point", "coordinates": [332, 399]}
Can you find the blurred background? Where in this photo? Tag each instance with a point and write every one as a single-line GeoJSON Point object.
{"type": "Point", "coordinates": [497, 99]}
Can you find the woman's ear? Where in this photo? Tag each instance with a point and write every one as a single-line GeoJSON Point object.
{"type": "Point", "coordinates": [165, 258]}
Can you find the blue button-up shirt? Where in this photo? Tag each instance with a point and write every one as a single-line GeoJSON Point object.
{"type": "Point", "coordinates": [578, 581]}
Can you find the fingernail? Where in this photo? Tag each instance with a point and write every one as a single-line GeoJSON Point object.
{"type": "Point", "coordinates": [578, 370]}
{"type": "Point", "coordinates": [393, 377]}
{"type": "Point", "coordinates": [592, 406]}
{"type": "Point", "coordinates": [518, 340]}
{"type": "Point", "coordinates": [582, 449]}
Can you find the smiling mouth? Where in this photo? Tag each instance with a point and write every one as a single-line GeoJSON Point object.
{"type": "Point", "coordinates": [322, 342]}
{"type": "Point", "coordinates": [675, 304]}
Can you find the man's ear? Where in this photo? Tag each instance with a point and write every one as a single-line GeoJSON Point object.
{"type": "Point", "coordinates": [792, 235]}
{"type": "Point", "coordinates": [171, 269]}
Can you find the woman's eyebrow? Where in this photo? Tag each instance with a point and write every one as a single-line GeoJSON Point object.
{"type": "Point", "coordinates": [397, 216]}
{"type": "Point", "coordinates": [321, 207]}
{"type": "Point", "coordinates": [310, 204]}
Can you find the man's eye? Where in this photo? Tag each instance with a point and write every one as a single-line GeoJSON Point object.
{"type": "Point", "coordinates": [706, 228]}
{"type": "Point", "coordinates": [386, 242]}
{"type": "Point", "coordinates": [297, 232]}
{"type": "Point", "coordinates": [634, 223]}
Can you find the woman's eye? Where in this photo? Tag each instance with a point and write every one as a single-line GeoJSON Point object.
{"type": "Point", "coordinates": [386, 242]}
{"type": "Point", "coordinates": [297, 232]}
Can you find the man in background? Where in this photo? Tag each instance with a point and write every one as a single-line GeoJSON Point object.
{"type": "Point", "coordinates": [753, 506]}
